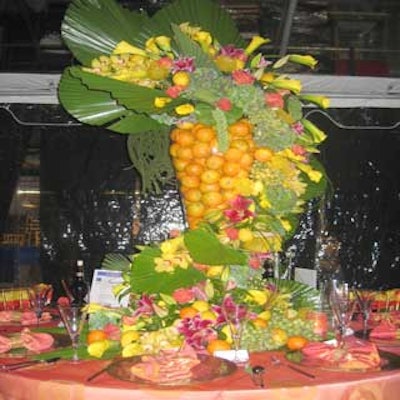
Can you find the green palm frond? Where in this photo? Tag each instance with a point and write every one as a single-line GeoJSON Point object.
{"type": "Point", "coordinates": [116, 261]}
{"type": "Point", "coordinates": [94, 27]}
{"type": "Point", "coordinates": [301, 295]}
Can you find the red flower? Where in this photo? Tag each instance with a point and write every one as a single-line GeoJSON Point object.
{"type": "Point", "coordinates": [232, 233]}
{"type": "Point", "coordinates": [233, 52]}
{"type": "Point", "coordinates": [224, 104]}
{"type": "Point", "coordinates": [274, 100]}
{"type": "Point", "coordinates": [112, 331]}
{"type": "Point", "coordinates": [63, 301]}
{"type": "Point", "coordinates": [183, 64]}
{"type": "Point", "coordinates": [299, 150]}
{"type": "Point", "coordinates": [174, 91]}
{"type": "Point", "coordinates": [239, 211]}
{"type": "Point", "coordinates": [165, 62]}
{"type": "Point", "coordinates": [183, 295]}
{"type": "Point", "coordinates": [242, 77]}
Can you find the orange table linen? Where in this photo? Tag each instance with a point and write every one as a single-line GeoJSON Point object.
{"type": "Point", "coordinates": [65, 380]}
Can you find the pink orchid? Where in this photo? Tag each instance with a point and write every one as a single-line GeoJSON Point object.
{"type": "Point", "coordinates": [298, 128]}
{"type": "Point", "coordinates": [233, 52]}
{"type": "Point", "coordinates": [183, 64]}
{"type": "Point", "coordinates": [198, 332]}
{"type": "Point", "coordinates": [239, 211]}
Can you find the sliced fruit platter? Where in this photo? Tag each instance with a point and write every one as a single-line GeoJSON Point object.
{"type": "Point", "coordinates": [27, 317]}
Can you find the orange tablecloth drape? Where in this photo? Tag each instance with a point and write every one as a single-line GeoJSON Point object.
{"type": "Point", "coordinates": [67, 381]}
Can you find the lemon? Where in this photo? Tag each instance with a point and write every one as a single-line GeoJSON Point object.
{"type": "Point", "coordinates": [128, 337]}
{"type": "Point", "coordinates": [201, 305]}
{"type": "Point", "coordinates": [181, 78]}
{"type": "Point", "coordinates": [265, 315]}
{"type": "Point", "coordinates": [97, 349]}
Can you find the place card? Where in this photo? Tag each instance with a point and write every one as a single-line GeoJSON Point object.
{"type": "Point", "coordinates": [237, 356]}
{"type": "Point", "coordinates": [101, 290]}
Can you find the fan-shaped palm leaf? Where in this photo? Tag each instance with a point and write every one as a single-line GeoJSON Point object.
{"type": "Point", "coordinates": [301, 295]}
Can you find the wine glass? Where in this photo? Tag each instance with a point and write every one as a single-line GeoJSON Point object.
{"type": "Point", "coordinates": [342, 305]}
{"type": "Point", "coordinates": [38, 301]}
{"type": "Point", "coordinates": [74, 318]}
{"type": "Point", "coordinates": [235, 316]}
{"type": "Point", "coordinates": [364, 300]}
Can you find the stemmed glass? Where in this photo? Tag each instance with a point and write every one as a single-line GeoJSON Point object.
{"type": "Point", "coordinates": [38, 299]}
{"type": "Point", "coordinates": [342, 306]}
{"type": "Point", "coordinates": [364, 301]}
{"type": "Point", "coordinates": [235, 316]}
{"type": "Point", "coordinates": [74, 318]}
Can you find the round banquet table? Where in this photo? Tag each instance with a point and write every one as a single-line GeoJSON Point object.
{"type": "Point", "coordinates": [65, 380]}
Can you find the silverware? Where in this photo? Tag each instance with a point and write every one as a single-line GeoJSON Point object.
{"type": "Point", "coordinates": [24, 364]}
{"type": "Point", "coordinates": [277, 361]}
{"type": "Point", "coordinates": [96, 374]}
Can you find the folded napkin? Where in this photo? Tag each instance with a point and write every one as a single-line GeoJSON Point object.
{"type": "Point", "coordinates": [385, 330]}
{"type": "Point", "coordinates": [356, 354]}
{"type": "Point", "coordinates": [35, 342]}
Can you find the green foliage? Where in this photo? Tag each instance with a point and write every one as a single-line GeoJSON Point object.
{"type": "Point", "coordinates": [205, 248]}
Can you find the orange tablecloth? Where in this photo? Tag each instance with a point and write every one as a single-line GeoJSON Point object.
{"type": "Point", "coordinates": [64, 381]}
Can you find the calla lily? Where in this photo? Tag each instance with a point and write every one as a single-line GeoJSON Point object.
{"type": "Point", "coordinates": [161, 102]}
{"type": "Point", "coordinates": [314, 175]}
{"type": "Point", "coordinates": [151, 46]}
{"type": "Point", "coordinates": [318, 135]}
{"type": "Point", "coordinates": [126, 48]}
{"type": "Point", "coordinates": [310, 61]}
{"type": "Point", "coordinates": [294, 85]}
{"type": "Point", "coordinates": [204, 39]}
{"type": "Point", "coordinates": [255, 43]}
{"type": "Point", "coordinates": [163, 42]}
{"type": "Point", "coordinates": [184, 109]}
{"type": "Point", "coordinates": [321, 101]}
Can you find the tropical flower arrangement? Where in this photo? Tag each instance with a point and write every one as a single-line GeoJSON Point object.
{"type": "Point", "coordinates": [200, 105]}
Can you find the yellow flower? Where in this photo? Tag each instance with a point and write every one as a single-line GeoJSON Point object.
{"type": "Point", "coordinates": [245, 235]}
{"type": "Point", "coordinates": [204, 39]}
{"type": "Point", "coordinates": [126, 48]}
{"type": "Point", "coordinates": [318, 135]}
{"type": "Point", "coordinates": [132, 349]}
{"type": "Point", "coordinates": [244, 186]}
{"type": "Point", "coordinates": [184, 109]}
{"type": "Point", "coordinates": [97, 349]}
{"type": "Point", "coordinates": [314, 175]}
{"type": "Point", "coordinates": [215, 271]}
{"type": "Point", "coordinates": [151, 46]}
{"type": "Point", "coordinates": [162, 265]}
{"type": "Point", "coordinates": [286, 224]}
{"type": "Point", "coordinates": [321, 101]}
{"type": "Point", "coordinates": [163, 42]}
{"type": "Point", "coordinates": [259, 296]}
{"type": "Point", "coordinates": [255, 43]}
{"type": "Point", "coordinates": [161, 102]}
{"type": "Point", "coordinates": [310, 61]}
{"type": "Point", "coordinates": [294, 85]}
{"type": "Point", "coordinates": [268, 77]}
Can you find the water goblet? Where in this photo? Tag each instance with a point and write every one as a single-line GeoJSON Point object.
{"type": "Point", "coordinates": [342, 305]}
{"type": "Point", "coordinates": [74, 318]}
{"type": "Point", "coordinates": [38, 301]}
{"type": "Point", "coordinates": [235, 316]}
{"type": "Point", "coordinates": [364, 300]}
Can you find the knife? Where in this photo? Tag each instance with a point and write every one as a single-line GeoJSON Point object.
{"type": "Point", "coordinates": [24, 364]}
{"type": "Point", "coordinates": [300, 371]}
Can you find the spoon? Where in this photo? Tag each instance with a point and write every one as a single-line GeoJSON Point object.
{"type": "Point", "coordinates": [258, 375]}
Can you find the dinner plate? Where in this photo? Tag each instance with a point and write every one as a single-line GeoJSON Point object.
{"type": "Point", "coordinates": [208, 369]}
{"type": "Point", "coordinates": [61, 340]}
{"type": "Point", "coordinates": [378, 342]}
{"type": "Point", "coordinates": [389, 362]}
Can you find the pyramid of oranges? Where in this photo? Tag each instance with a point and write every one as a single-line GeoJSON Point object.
{"type": "Point", "coordinates": [208, 177]}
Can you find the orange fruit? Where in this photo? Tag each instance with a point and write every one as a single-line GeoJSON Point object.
{"type": "Point", "coordinates": [215, 161]}
{"type": "Point", "coordinates": [263, 154]}
{"type": "Point", "coordinates": [296, 342]}
{"type": "Point", "coordinates": [180, 164]}
{"type": "Point", "coordinates": [95, 335]}
{"type": "Point", "coordinates": [205, 134]}
{"type": "Point", "coordinates": [212, 199]}
{"type": "Point", "coordinates": [231, 168]}
{"type": "Point", "coordinates": [185, 153]}
{"type": "Point", "coordinates": [227, 182]}
{"type": "Point", "coordinates": [190, 182]}
{"type": "Point", "coordinates": [195, 209]}
{"type": "Point", "coordinates": [187, 312]}
{"type": "Point", "coordinates": [217, 344]}
{"type": "Point", "coordinates": [209, 187]}
{"type": "Point", "coordinates": [260, 323]}
{"type": "Point", "coordinates": [240, 128]}
{"type": "Point", "coordinates": [173, 149]}
{"type": "Point", "coordinates": [193, 169]}
{"type": "Point", "coordinates": [233, 154]}
{"type": "Point", "coordinates": [184, 138]}
{"type": "Point", "coordinates": [193, 195]}
{"type": "Point", "coordinates": [240, 144]}
{"type": "Point", "coordinates": [246, 161]}
{"type": "Point", "coordinates": [201, 150]}
{"type": "Point", "coordinates": [210, 176]}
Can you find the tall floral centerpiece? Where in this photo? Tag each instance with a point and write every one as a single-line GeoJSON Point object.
{"type": "Point", "coordinates": [201, 105]}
